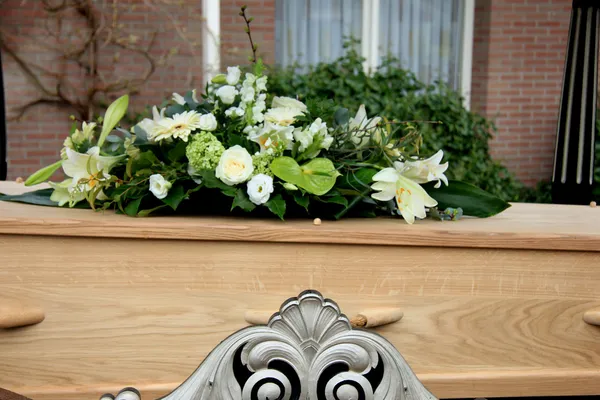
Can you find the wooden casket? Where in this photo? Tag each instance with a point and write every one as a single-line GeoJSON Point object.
{"type": "Point", "coordinates": [492, 308]}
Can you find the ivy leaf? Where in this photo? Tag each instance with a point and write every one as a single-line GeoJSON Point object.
{"type": "Point", "coordinates": [277, 206]}
{"type": "Point", "coordinates": [302, 201]}
{"type": "Point", "coordinates": [132, 208]}
{"type": "Point", "coordinates": [474, 201]}
{"type": "Point", "coordinates": [177, 152]}
{"type": "Point", "coordinates": [210, 181]}
{"type": "Point", "coordinates": [242, 201]}
{"type": "Point", "coordinates": [175, 196]}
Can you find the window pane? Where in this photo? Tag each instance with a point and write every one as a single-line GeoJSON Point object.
{"type": "Point", "coordinates": [310, 31]}
{"type": "Point", "coordinates": [426, 35]}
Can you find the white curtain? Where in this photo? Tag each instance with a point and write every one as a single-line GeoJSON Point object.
{"type": "Point", "coordinates": [426, 35]}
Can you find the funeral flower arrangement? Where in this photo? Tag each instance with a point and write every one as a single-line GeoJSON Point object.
{"type": "Point", "coordinates": [238, 147]}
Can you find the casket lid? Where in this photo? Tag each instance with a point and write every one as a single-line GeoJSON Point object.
{"type": "Point", "coordinates": [523, 226]}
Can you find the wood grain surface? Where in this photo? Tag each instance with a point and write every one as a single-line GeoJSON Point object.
{"type": "Point", "coordinates": [144, 313]}
{"type": "Point", "coordinates": [523, 226]}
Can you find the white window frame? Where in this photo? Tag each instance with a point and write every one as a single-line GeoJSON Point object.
{"type": "Point", "coordinates": [211, 40]}
{"type": "Point", "coordinates": [370, 43]}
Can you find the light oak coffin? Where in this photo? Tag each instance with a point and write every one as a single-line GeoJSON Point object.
{"type": "Point", "coordinates": [491, 307]}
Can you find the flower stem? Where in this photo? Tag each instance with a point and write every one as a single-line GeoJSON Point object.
{"type": "Point", "coordinates": [249, 33]}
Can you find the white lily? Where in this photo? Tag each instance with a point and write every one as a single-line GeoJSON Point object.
{"type": "Point", "coordinates": [88, 170]}
{"type": "Point", "coordinates": [177, 98]}
{"type": "Point", "coordinates": [428, 170]}
{"type": "Point", "coordinates": [362, 127]}
{"type": "Point", "coordinates": [63, 193]}
{"type": "Point", "coordinates": [410, 197]}
{"type": "Point", "coordinates": [272, 136]}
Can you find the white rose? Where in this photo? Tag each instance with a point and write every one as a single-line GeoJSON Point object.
{"type": "Point", "coordinates": [208, 122]}
{"type": "Point", "coordinates": [289, 103]}
{"type": "Point", "coordinates": [177, 98]}
{"type": "Point", "coordinates": [227, 94]}
{"type": "Point", "coordinates": [235, 166]}
{"type": "Point", "coordinates": [233, 75]}
{"type": "Point", "coordinates": [260, 188]}
{"type": "Point", "coordinates": [159, 186]}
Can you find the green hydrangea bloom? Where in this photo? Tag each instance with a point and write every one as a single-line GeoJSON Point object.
{"type": "Point", "coordinates": [204, 151]}
{"type": "Point", "coordinates": [261, 162]}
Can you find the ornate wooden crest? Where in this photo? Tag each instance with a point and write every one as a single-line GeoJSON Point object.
{"type": "Point", "coordinates": [307, 351]}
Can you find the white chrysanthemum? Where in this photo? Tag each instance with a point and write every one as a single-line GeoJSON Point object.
{"type": "Point", "coordinates": [283, 116]}
{"type": "Point", "coordinates": [288, 102]}
{"type": "Point", "coordinates": [180, 126]}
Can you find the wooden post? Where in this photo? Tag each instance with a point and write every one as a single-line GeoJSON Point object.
{"type": "Point", "coordinates": [3, 138]}
{"type": "Point", "coordinates": [573, 176]}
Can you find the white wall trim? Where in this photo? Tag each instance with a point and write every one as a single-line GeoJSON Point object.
{"type": "Point", "coordinates": [211, 39]}
{"type": "Point", "coordinates": [370, 34]}
{"type": "Point", "coordinates": [467, 51]}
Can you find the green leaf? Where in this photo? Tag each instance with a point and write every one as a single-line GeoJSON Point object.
{"type": "Point", "coordinates": [174, 109]}
{"type": "Point", "coordinates": [175, 196]}
{"type": "Point", "coordinates": [131, 209]}
{"type": "Point", "coordinates": [242, 201]}
{"type": "Point", "coordinates": [341, 200]}
{"type": "Point", "coordinates": [474, 201]}
{"type": "Point", "coordinates": [302, 201]}
{"type": "Point", "coordinates": [210, 181]}
{"type": "Point", "coordinates": [316, 176]}
{"type": "Point", "coordinates": [145, 213]}
{"type": "Point", "coordinates": [341, 116]}
{"type": "Point", "coordinates": [177, 152]}
{"type": "Point", "coordinates": [39, 197]}
{"type": "Point", "coordinates": [358, 180]}
{"type": "Point", "coordinates": [43, 174]}
{"type": "Point", "coordinates": [277, 206]}
{"type": "Point", "coordinates": [114, 114]}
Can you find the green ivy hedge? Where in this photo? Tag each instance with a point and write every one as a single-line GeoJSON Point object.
{"type": "Point", "coordinates": [396, 93]}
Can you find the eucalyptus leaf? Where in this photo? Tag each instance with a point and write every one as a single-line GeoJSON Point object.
{"type": "Point", "coordinates": [113, 115]}
{"type": "Point", "coordinates": [341, 116]}
{"type": "Point", "coordinates": [474, 201]}
{"type": "Point", "coordinates": [42, 175]}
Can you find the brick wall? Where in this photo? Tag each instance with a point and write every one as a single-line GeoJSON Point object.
{"type": "Point", "coordinates": [235, 47]}
{"type": "Point", "coordinates": [518, 60]}
{"type": "Point", "coordinates": [36, 138]}
{"type": "Point", "coordinates": [519, 50]}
